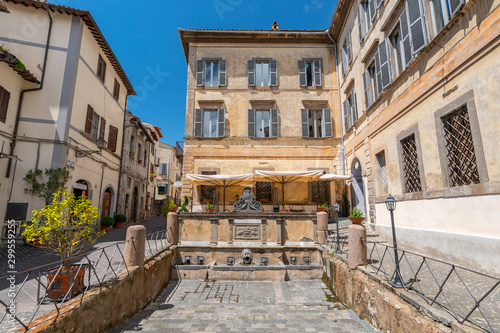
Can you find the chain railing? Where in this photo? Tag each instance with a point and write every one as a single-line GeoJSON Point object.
{"type": "Point", "coordinates": [40, 290]}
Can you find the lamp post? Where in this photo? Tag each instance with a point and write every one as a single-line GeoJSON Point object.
{"type": "Point", "coordinates": [390, 203]}
{"type": "Point", "coordinates": [100, 143]}
{"type": "Point", "coordinates": [336, 209]}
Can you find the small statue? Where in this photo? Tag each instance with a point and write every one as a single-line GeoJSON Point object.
{"type": "Point", "coordinates": [247, 202]}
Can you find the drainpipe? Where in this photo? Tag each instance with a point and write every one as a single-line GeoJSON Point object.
{"type": "Point", "coordinates": [21, 98]}
{"type": "Point", "coordinates": [342, 154]}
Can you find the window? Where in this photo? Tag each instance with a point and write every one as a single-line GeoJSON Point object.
{"type": "Point", "coordinates": [396, 52]}
{"type": "Point", "coordinates": [441, 11]}
{"type": "Point", "coordinates": [411, 170]}
{"type": "Point", "coordinates": [211, 73]}
{"type": "Point", "coordinates": [112, 138]}
{"type": "Point", "coordinates": [162, 170]}
{"type": "Point", "coordinates": [262, 73]}
{"type": "Point", "coordinates": [264, 190]}
{"type": "Point", "coordinates": [263, 123]}
{"type": "Point", "coordinates": [346, 53]}
{"type": "Point", "coordinates": [95, 126]}
{"type": "Point", "coordinates": [208, 191]}
{"type": "Point", "coordinates": [350, 110]}
{"type": "Point", "coordinates": [132, 144]}
{"type": "Point", "coordinates": [310, 73]}
{"type": "Point", "coordinates": [144, 161]}
{"type": "Point", "coordinates": [370, 84]}
{"type": "Point", "coordinates": [116, 90]}
{"type": "Point", "coordinates": [316, 123]}
{"type": "Point", "coordinates": [364, 21]}
{"type": "Point", "coordinates": [382, 172]}
{"type": "Point", "coordinates": [4, 104]}
{"type": "Point", "coordinates": [129, 182]}
{"type": "Point", "coordinates": [462, 164]}
{"type": "Point", "coordinates": [416, 25]}
{"type": "Point", "coordinates": [209, 123]}
{"type": "Point", "coordinates": [101, 69]}
{"type": "Point", "coordinates": [139, 160]}
{"type": "Point", "coordinates": [319, 191]}
{"type": "Point", "coordinates": [162, 189]}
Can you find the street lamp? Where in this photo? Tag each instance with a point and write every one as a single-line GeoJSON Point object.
{"type": "Point", "coordinates": [390, 203]}
{"type": "Point", "coordinates": [336, 208]}
{"type": "Point", "coordinates": [100, 143]}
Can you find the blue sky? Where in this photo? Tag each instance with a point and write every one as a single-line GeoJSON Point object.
{"type": "Point", "coordinates": [143, 35]}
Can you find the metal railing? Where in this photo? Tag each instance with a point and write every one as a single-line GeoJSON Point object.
{"type": "Point", "coordinates": [468, 295]}
{"type": "Point", "coordinates": [40, 290]}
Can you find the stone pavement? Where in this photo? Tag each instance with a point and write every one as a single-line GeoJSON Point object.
{"type": "Point", "coordinates": [227, 306]}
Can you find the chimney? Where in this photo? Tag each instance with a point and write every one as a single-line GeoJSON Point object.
{"type": "Point", "coordinates": [275, 26]}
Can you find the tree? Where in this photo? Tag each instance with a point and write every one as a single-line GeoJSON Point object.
{"type": "Point", "coordinates": [44, 185]}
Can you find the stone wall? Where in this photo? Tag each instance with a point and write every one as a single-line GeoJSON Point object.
{"type": "Point", "coordinates": [101, 309]}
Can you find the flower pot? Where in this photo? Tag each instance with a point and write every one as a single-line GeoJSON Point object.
{"type": "Point", "coordinates": [37, 243]}
{"type": "Point", "coordinates": [209, 210]}
{"type": "Point", "coordinates": [356, 220]}
{"type": "Point", "coordinates": [264, 200]}
{"type": "Point", "coordinates": [118, 225]}
{"type": "Point", "coordinates": [322, 209]}
{"type": "Point", "coordinates": [285, 210]}
{"type": "Point", "coordinates": [207, 200]}
{"type": "Point", "coordinates": [105, 228]}
{"type": "Point", "coordinates": [61, 282]}
{"type": "Point", "coordinates": [172, 209]}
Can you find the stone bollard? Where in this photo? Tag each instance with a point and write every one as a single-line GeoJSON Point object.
{"type": "Point", "coordinates": [357, 246]}
{"type": "Point", "coordinates": [136, 246]}
{"type": "Point", "coordinates": [172, 228]}
{"type": "Point", "coordinates": [322, 227]}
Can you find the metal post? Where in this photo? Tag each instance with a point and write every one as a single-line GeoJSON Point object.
{"type": "Point", "coordinates": [337, 249]}
{"type": "Point", "coordinates": [283, 194]}
{"type": "Point", "coordinates": [397, 279]}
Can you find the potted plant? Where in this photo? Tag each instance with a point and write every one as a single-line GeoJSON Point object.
{"type": "Point", "coordinates": [284, 209]}
{"type": "Point", "coordinates": [106, 223]}
{"type": "Point", "coordinates": [210, 208]}
{"type": "Point", "coordinates": [322, 206]}
{"type": "Point", "coordinates": [263, 200]}
{"type": "Point", "coordinates": [185, 204]}
{"type": "Point", "coordinates": [207, 200]}
{"type": "Point", "coordinates": [67, 227]}
{"type": "Point", "coordinates": [120, 219]}
{"type": "Point", "coordinates": [172, 207]}
{"type": "Point", "coordinates": [356, 216]}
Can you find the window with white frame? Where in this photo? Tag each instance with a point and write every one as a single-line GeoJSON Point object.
{"type": "Point", "coordinates": [95, 126]}
{"type": "Point", "coordinates": [310, 73]}
{"type": "Point", "coordinates": [162, 189]}
{"type": "Point", "coordinates": [263, 123]}
{"type": "Point", "coordinates": [396, 52]}
{"type": "Point", "coordinates": [370, 84]}
{"type": "Point", "coordinates": [316, 123]}
{"type": "Point", "coordinates": [350, 110]}
{"type": "Point", "coordinates": [209, 123]}
{"type": "Point", "coordinates": [162, 169]}
{"type": "Point", "coordinates": [346, 52]}
{"type": "Point", "coordinates": [211, 73]}
{"type": "Point", "coordinates": [262, 73]}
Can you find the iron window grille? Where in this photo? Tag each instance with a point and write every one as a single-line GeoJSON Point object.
{"type": "Point", "coordinates": [207, 191]}
{"type": "Point", "coordinates": [319, 190]}
{"type": "Point", "coordinates": [410, 165]}
{"type": "Point", "coordinates": [264, 190]}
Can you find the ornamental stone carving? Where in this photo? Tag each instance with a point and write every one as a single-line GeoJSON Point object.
{"type": "Point", "coordinates": [247, 202]}
{"type": "Point", "coordinates": [247, 256]}
{"type": "Point", "coordinates": [247, 232]}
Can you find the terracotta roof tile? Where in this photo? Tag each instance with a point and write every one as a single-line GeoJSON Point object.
{"type": "Point", "coordinates": [12, 61]}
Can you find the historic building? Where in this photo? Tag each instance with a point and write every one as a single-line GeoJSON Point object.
{"type": "Point", "coordinates": [419, 84]}
{"type": "Point", "coordinates": [260, 100]}
{"type": "Point", "coordinates": [63, 93]}
{"type": "Point", "coordinates": [169, 171]}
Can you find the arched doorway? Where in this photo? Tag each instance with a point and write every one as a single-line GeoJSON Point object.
{"type": "Point", "coordinates": [135, 198]}
{"type": "Point", "coordinates": [80, 188]}
{"type": "Point", "coordinates": [357, 191]}
{"type": "Point", "coordinates": [107, 202]}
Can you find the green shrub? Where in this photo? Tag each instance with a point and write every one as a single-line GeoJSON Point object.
{"type": "Point", "coordinates": [356, 213]}
{"type": "Point", "coordinates": [120, 218]}
{"type": "Point", "coordinates": [185, 204]}
{"type": "Point", "coordinates": [107, 221]}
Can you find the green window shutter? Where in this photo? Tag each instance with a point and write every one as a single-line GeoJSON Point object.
{"type": "Point", "coordinates": [198, 126]}
{"type": "Point", "coordinates": [327, 120]}
{"type": "Point", "coordinates": [251, 123]}
{"type": "Point", "coordinates": [347, 116]}
{"type": "Point", "coordinates": [274, 123]}
{"type": "Point", "coordinates": [305, 122]}
{"type": "Point", "coordinates": [354, 107]}
{"type": "Point", "coordinates": [317, 72]}
{"type": "Point", "coordinates": [343, 61]}
{"type": "Point", "coordinates": [378, 74]}
{"type": "Point", "coordinates": [251, 73]}
{"type": "Point", "coordinates": [302, 73]}
{"type": "Point", "coordinates": [349, 47]}
{"type": "Point", "coordinates": [405, 38]}
{"type": "Point", "coordinates": [384, 64]}
{"type": "Point", "coordinates": [373, 9]}
{"type": "Point", "coordinates": [416, 22]}
{"type": "Point", "coordinates": [366, 81]}
{"type": "Point", "coordinates": [200, 73]}
{"type": "Point", "coordinates": [274, 72]}
{"type": "Point", "coordinates": [361, 24]}
{"type": "Point", "coordinates": [222, 73]}
{"type": "Point", "coordinates": [221, 129]}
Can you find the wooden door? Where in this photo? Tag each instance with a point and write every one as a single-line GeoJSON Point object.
{"type": "Point", "coordinates": [106, 204]}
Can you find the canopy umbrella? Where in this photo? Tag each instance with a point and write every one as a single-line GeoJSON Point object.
{"type": "Point", "coordinates": [328, 177]}
{"type": "Point", "coordinates": [284, 177]}
{"type": "Point", "coordinates": [221, 180]}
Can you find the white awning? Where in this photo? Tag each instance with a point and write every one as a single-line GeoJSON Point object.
{"type": "Point", "coordinates": [329, 177]}
{"type": "Point", "coordinates": [284, 177]}
{"type": "Point", "coordinates": [221, 180]}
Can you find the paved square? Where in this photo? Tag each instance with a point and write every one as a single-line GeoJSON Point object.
{"type": "Point", "coordinates": [226, 306]}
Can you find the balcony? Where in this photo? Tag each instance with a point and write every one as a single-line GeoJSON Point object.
{"type": "Point", "coordinates": [179, 147]}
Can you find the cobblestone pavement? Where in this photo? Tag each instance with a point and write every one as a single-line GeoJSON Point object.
{"type": "Point", "coordinates": [225, 306]}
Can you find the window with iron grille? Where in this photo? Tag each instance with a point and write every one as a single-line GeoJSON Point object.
{"type": "Point", "coordinates": [462, 163]}
{"type": "Point", "coordinates": [207, 191]}
{"type": "Point", "coordinates": [411, 170]}
{"type": "Point", "coordinates": [319, 190]}
{"type": "Point", "coordinates": [264, 190]}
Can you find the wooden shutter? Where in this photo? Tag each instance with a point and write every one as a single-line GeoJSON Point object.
{"type": "Point", "coordinates": [302, 73]}
{"type": "Point", "coordinates": [455, 6]}
{"type": "Point", "coordinates": [4, 104]}
{"type": "Point", "coordinates": [361, 23]}
{"type": "Point", "coordinates": [405, 38]}
{"type": "Point", "coordinates": [251, 73]}
{"type": "Point", "coordinates": [251, 123]}
{"type": "Point", "coordinates": [198, 128]}
{"type": "Point", "coordinates": [88, 122]}
{"type": "Point", "coordinates": [416, 23]}
{"type": "Point", "coordinates": [200, 66]}
{"type": "Point", "coordinates": [274, 123]}
{"type": "Point", "coordinates": [102, 129]}
{"type": "Point", "coordinates": [221, 129]}
{"type": "Point", "coordinates": [384, 64]}
{"type": "Point", "coordinates": [349, 48]}
{"type": "Point", "coordinates": [317, 72]}
{"type": "Point", "coordinates": [274, 72]}
{"type": "Point", "coordinates": [366, 81]}
{"type": "Point", "coordinates": [112, 138]}
{"type": "Point", "coordinates": [378, 74]}
{"type": "Point", "coordinates": [343, 60]}
{"type": "Point", "coordinates": [327, 120]}
{"type": "Point", "coordinates": [305, 122]}
{"type": "Point", "coordinates": [373, 9]}
{"type": "Point", "coordinates": [347, 116]}
{"type": "Point", "coordinates": [354, 107]}
{"type": "Point", "coordinates": [222, 73]}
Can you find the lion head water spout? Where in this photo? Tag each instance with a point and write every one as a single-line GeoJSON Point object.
{"type": "Point", "coordinates": [247, 257]}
